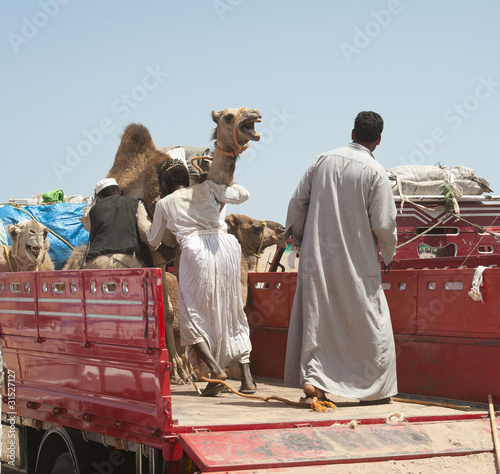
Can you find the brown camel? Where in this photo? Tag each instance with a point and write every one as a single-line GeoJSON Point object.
{"type": "Point", "coordinates": [137, 158]}
{"type": "Point", "coordinates": [254, 237]}
{"type": "Point", "coordinates": [76, 259]}
{"type": "Point", "coordinates": [135, 170]}
{"type": "Point", "coordinates": [29, 249]}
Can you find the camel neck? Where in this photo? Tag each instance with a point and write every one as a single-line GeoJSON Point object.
{"type": "Point", "coordinates": [222, 168]}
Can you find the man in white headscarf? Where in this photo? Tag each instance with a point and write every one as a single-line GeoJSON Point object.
{"type": "Point", "coordinates": [340, 339]}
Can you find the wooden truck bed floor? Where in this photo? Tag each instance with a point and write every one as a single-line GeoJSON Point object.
{"type": "Point", "coordinates": [189, 409]}
{"type": "Point", "coordinates": [229, 432]}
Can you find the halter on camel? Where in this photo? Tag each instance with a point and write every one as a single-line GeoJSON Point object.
{"type": "Point", "coordinates": [6, 250]}
{"type": "Point", "coordinates": [19, 265]}
{"type": "Point", "coordinates": [238, 150]}
{"type": "Point", "coordinates": [258, 254]}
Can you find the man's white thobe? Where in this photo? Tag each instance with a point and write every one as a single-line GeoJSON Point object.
{"type": "Point", "coordinates": [340, 337]}
{"type": "Point", "coordinates": [210, 301]}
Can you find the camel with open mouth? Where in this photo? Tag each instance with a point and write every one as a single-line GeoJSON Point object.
{"type": "Point", "coordinates": [135, 169]}
{"type": "Point", "coordinates": [29, 249]}
{"type": "Point", "coordinates": [137, 159]}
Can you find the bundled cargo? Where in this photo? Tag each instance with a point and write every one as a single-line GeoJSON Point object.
{"type": "Point", "coordinates": [430, 180]}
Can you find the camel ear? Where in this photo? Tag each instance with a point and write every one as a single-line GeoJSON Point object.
{"type": "Point", "coordinates": [46, 243]}
{"type": "Point", "coordinates": [10, 229]}
{"type": "Point", "coordinates": [45, 231]}
{"type": "Point", "coordinates": [215, 116]}
{"type": "Point", "coordinates": [14, 230]}
{"type": "Point", "coordinates": [232, 220]}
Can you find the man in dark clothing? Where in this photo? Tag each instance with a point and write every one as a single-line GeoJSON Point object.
{"type": "Point", "coordinates": [118, 226]}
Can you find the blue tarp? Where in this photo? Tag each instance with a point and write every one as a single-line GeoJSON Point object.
{"type": "Point", "coordinates": [61, 218]}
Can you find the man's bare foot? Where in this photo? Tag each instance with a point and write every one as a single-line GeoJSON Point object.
{"type": "Point", "coordinates": [311, 391]}
{"type": "Point", "coordinates": [219, 376]}
{"type": "Point", "coordinates": [248, 386]}
{"type": "Point", "coordinates": [249, 389]}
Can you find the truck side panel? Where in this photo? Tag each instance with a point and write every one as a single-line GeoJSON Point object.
{"type": "Point", "coordinates": [87, 350]}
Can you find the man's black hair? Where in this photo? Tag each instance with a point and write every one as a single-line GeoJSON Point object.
{"type": "Point", "coordinates": [109, 191]}
{"type": "Point", "coordinates": [368, 127]}
{"type": "Point", "coordinates": [172, 174]}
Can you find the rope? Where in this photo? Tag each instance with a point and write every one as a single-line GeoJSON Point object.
{"type": "Point", "coordinates": [239, 148]}
{"type": "Point", "coordinates": [8, 258]}
{"type": "Point", "coordinates": [259, 251]}
{"type": "Point", "coordinates": [424, 232]}
{"type": "Point", "coordinates": [51, 231]}
{"type": "Point", "coordinates": [477, 226]}
{"type": "Point", "coordinates": [315, 405]}
{"type": "Point", "coordinates": [196, 158]}
{"type": "Point", "coordinates": [484, 230]}
{"type": "Point", "coordinates": [456, 216]}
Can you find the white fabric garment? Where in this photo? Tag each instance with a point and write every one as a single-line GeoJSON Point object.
{"type": "Point", "coordinates": [477, 283]}
{"type": "Point", "coordinates": [3, 235]}
{"type": "Point", "coordinates": [178, 153]}
{"type": "Point", "coordinates": [210, 302]}
{"type": "Point", "coordinates": [340, 338]}
{"type": "Point", "coordinates": [195, 208]}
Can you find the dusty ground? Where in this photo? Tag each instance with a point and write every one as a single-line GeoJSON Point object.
{"type": "Point", "coordinates": [474, 464]}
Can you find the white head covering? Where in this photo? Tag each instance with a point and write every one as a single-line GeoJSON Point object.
{"type": "Point", "coordinates": [178, 153]}
{"type": "Point", "coordinates": [104, 183]}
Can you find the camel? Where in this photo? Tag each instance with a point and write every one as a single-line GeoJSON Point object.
{"type": "Point", "coordinates": [254, 236]}
{"type": "Point", "coordinates": [137, 157]}
{"type": "Point", "coordinates": [135, 170]}
{"type": "Point", "coordinates": [29, 249]}
{"type": "Point", "coordinates": [76, 260]}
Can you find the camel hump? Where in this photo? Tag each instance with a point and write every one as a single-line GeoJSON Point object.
{"type": "Point", "coordinates": [130, 158]}
{"type": "Point", "coordinates": [136, 138]}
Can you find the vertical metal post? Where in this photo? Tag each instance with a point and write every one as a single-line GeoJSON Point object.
{"type": "Point", "coordinates": [152, 460]}
{"type": "Point", "coordinates": [138, 459]}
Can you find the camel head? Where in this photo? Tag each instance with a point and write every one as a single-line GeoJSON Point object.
{"type": "Point", "coordinates": [29, 242]}
{"type": "Point", "coordinates": [251, 232]}
{"type": "Point", "coordinates": [235, 121]}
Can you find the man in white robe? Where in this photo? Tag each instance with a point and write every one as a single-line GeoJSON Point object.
{"type": "Point", "coordinates": [211, 316]}
{"type": "Point", "coordinates": [340, 339]}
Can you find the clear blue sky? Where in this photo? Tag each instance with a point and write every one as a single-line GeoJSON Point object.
{"type": "Point", "coordinates": [72, 67]}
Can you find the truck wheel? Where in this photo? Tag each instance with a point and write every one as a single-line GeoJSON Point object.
{"type": "Point", "coordinates": [63, 465]}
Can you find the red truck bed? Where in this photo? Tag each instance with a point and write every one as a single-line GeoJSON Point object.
{"type": "Point", "coordinates": [86, 350]}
